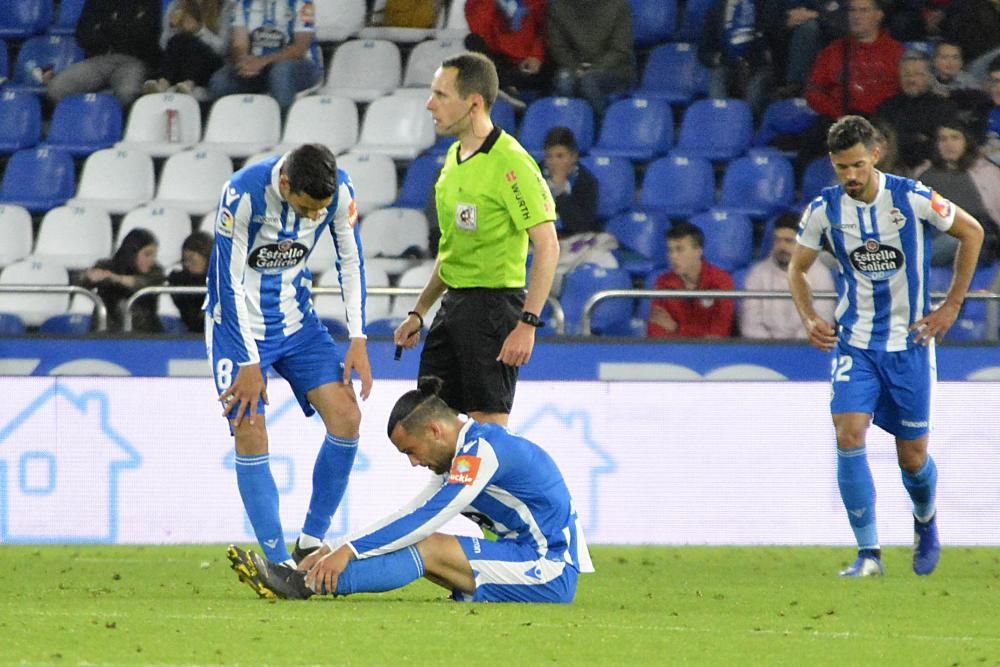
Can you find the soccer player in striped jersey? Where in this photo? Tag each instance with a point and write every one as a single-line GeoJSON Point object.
{"type": "Point", "coordinates": [879, 228]}
{"type": "Point", "coordinates": [259, 316]}
{"type": "Point", "coordinates": [502, 481]}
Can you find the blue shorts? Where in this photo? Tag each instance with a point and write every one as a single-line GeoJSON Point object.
{"type": "Point", "coordinates": [309, 358]}
{"type": "Point", "coordinates": [895, 387]}
{"type": "Point", "coordinates": [510, 572]}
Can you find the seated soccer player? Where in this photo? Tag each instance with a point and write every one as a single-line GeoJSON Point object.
{"type": "Point", "coordinates": [500, 480]}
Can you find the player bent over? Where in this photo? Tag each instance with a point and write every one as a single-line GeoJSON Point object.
{"type": "Point", "coordinates": [502, 481]}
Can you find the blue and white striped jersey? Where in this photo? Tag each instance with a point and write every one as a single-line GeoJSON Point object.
{"type": "Point", "coordinates": [272, 24]}
{"type": "Point", "coordinates": [259, 286]}
{"type": "Point", "coordinates": [499, 480]}
{"type": "Point", "coordinates": [884, 253]}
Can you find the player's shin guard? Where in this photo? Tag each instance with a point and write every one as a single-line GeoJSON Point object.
{"type": "Point", "coordinates": [381, 573]}
{"type": "Point", "coordinates": [330, 475]}
{"type": "Point", "coordinates": [922, 487]}
{"type": "Point", "coordinates": [260, 499]}
{"type": "Point", "coordinates": [857, 490]}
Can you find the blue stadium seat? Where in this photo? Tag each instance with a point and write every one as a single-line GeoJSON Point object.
{"type": "Point", "coordinates": [20, 121]}
{"type": "Point", "coordinates": [173, 325]}
{"type": "Point", "coordinates": [653, 21]}
{"type": "Point", "coordinates": [615, 183]}
{"type": "Point", "coordinates": [418, 183]}
{"type": "Point", "coordinates": [636, 128]}
{"type": "Point", "coordinates": [718, 129]}
{"type": "Point", "coordinates": [4, 63]}
{"type": "Point", "coordinates": [678, 186]}
{"type": "Point", "coordinates": [503, 116]}
{"type": "Point", "coordinates": [610, 318]}
{"type": "Point", "coordinates": [69, 14]}
{"type": "Point", "coordinates": [728, 238]}
{"type": "Point", "coordinates": [82, 124]}
{"type": "Point", "coordinates": [547, 112]}
{"type": "Point", "coordinates": [695, 13]}
{"type": "Point", "coordinates": [818, 174]}
{"type": "Point", "coordinates": [784, 117]}
{"type": "Point", "coordinates": [11, 325]}
{"type": "Point", "coordinates": [759, 186]}
{"type": "Point", "coordinates": [672, 73]}
{"type": "Point", "coordinates": [38, 179]}
{"type": "Point", "coordinates": [20, 19]}
{"type": "Point", "coordinates": [67, 324]}
{"type": "Point", "coordinates": [336, 328]}
{"type": "Point", "coordinates": [44, 51]}
{"type": "Point", "coordinates": [384, 327]}
{"type": "Point", "coordinates": [642, 240]}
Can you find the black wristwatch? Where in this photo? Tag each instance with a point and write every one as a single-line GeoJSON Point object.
{"type": "Point", "coordinates": [532, 319]}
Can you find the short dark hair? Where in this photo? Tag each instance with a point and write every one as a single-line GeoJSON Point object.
{"type": "Point", "coordinates": [312, 169]}
{"type": "Point", "coordinates": [788, 220]}
{"type": "Point", "coordinates": [476, 75]}
{"type": "Point", "coordinates": [199, 242]}
{"type": "Point", "coordinates": [417, 406]}
{"type": "Point", "coordinates": [850, 131]}
{"type": "Point", "coordinates": [683, 229]}
{"type": "Point", "coordinates": [560, 136]}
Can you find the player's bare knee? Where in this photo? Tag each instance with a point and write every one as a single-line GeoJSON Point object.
{"type": "Point", "coordinates": [849, 437]}
{"type": "Point", "coordinates": [251, 439]}
{"type": "Point", "coordinates": [912, 455]}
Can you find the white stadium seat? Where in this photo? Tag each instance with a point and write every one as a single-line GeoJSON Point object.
{"type": "Point", "coordinates": [374, 179]}
{"type": "Point", "coordinates": [34, 309]}
{"type": "Point", "coordinates": [415, 276]}
{"type": "Point", "coordinates": [241, 125]}
{"type": "Point", "coordinates": [169, 226]}
{"type": "Point", "coordinates": [364, 70]}
{"type": "Point", "coordinates": [321, 119]}
{"type": "Point", "coordinates": [398, 126]}
{"type": "Point", "coordinates": [74, 237]}
{"type": "Point", "coordinates": [336, 20]}
{"type": "Point", "coordinates": [116, 179]}
{"type": "Point", "coordinates": [192, 181]}
{"type": "Point", "coordinates": [15, 230]}
{"type": "Point", "coordinates": [331, 306]}
{"type": "Point", "coordinates": [426, 57]}
{"type": "Point", "coordinates": [151, 121]}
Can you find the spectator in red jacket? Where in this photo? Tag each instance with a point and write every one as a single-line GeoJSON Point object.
{"type": "Point", "coordinates": [511, 34]}
{"type": "Point", "coordinates": [691, 318]}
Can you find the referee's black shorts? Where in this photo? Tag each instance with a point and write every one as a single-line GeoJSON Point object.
{"type": "Point", "coordinates": [463, 344]}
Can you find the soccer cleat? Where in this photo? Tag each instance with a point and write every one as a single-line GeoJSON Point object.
{"type": "Point", "coordinates": [299, 553]}
{"type": "Point", "coordinates": [926, 546]}
{"type": "Point", "coordinates": [867, 564]}
{"type": "Point", "coordinates": [243, 564]}
{"type": "Point", "coordinates": [268, 580]}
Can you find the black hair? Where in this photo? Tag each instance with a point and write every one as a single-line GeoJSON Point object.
{"type": "Point", "coordinates": [123, 261]}
{"type": "Point", "coordinates": [994, 65]}
{"type": "Point", "coordinates": [312, 169]}
{"type": "Point", "coordinates": [683, 229]}
{"type": "Point", "coordinates": [850, 131]}
{"type": "Point", "coordinates": [476, 75]}
{"type": "Point", "coordinates": [416, 406]}
{"type": "Point", "coordinates": [199, 242]}
{"type": "Point", "coordinates": [968, 156]}
{"type": "Point", "coordinates": [560, 136]}
{"type": "Point", "coordinates": [788, 220]}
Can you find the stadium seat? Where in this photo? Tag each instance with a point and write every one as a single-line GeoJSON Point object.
{"type": "Point", "coordinates": [33, 308]}
{"type": "Point", "coordinates": [374, 178]}
{"type": "Point", "coordinates": [82, 124]}
{"type": "Point", "coordinates": [66, 19]}
{"type": "Point", "coordinates": [11, 324]}
{"type": "Point", "coordinates": [784, 117]}
{"type": "Point", "coordinates": [817, 175]}
{"type": "Point", "coordinates": [672, 73]}
{"type": "Point", "coordinates": [971, 324]}
{"type": "Point", "coordinates": [321, 119]}
{"type": "Point", "coordinates": [241, 125]}
{"type": "Point", "coordinates": [678, 186]}
{"type": "Point", "coordinates": [643, 234]}
{"type": "Point", "coordinates": [150, 117]}
{"type": "Point", "coordinates": [425, 58]}
{"type": "Point", "coordinates": [653, 21]}
{"type": "Point", "coordinates": [116, 180]}
{"type": "Point", "coordinates": [20, 19]}
{"type": "Point", "coordinates": [323, 257]}
{"type": "Point", "coordinates": [192, 181]}
{"type": "Point", "coordinates": [418, 182]}
{"type": "Point", "coordinates": [16, 232]}
{"type": "Point", "coordinates": [169, 226]}
{"type": "Point", "coordinates": [384, 327]}
{"type": "Point", "coordinates": [38, 179]}
{"type": "Point", "coordinates": [74, 237]}
{"type": "Point", "coordinates": [337, 20]}
{"type": "Point", "coordinates": [364, 70]}
{"type": "Point", "coordinates": [547, 112]}
{"type": "Point", "coordinates": [695, 13]}
{"type": "Point", "coordinates": [66, 324]}
{"type": "Point", "coordinates": [610, 318]}
{"type": "Point", "coordinates": [336, 328]}
{"type": "Point", "coordinates": [395, 233]}
{"type": "Point", "coordinates": [415, 276]}
{"type": "Point", "coordinates": [455, 26]}
{"type": "Point", "coordinates": [615, 183]}
{"type": "Point", "coordinates": [44, 51]}
{"type": "Point", "coordinates": [398, 126]}
{"type": "Point", "coordinates": [718, 129]}
{"type": "Point", "coordinates": [503, 116]}
{"type": "Point", "coordinates": [4, 63]}
{"type": "Point", "coordinates": [728, 238]}
{"type": "Point", "coordinates": [759, 186]}
{"type": "Point", "coordinates": [331, 306]}
{"type": "Point", "coordinates": [20, 121]}
{"type": "Point", "coordinates": [636, 128]}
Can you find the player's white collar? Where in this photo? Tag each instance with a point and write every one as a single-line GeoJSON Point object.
{"type": "Point", "coordinates": [276, 175]}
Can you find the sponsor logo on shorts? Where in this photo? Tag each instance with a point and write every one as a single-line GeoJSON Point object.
{"type": "Point", "coordinates": [276, 257]}
{"type": "Point", "coordinates": [877, 261]}
{"type": "Point", "coordinates": [913, 424]}
{"type": "Point", "coordinates": [464, 470]}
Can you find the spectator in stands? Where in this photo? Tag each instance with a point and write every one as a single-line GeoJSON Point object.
{"type": "Point", "coordinates": [132, 267]}
{"type": "Point", "coordinates": [511, 33]}
{"type": "Point", "coordinates": [121, 40]}
{"type": "Point", "coordinates": [732, 45]}
{"type": "Point", "coordinates": [992, 86]}
{"type": "Point", "coordinates": [777, 318]}
{"type": "Point", "coordinates": [195, 252]}
{"type": "Point", "coordinates": [916, 111]}
{"type": "Point", "coordinates": [796, 31]}
{"type": "Point", "coordinates": [975, 26]}
{"type": "Point", "coordinates": [958, 172]}
{"type": "Point", "coordinates": [193, 46]}
{"type": "Point", "coordinates": [948, 74]}
{"type": "Point", "coordinates": [590, 43]}
{"type": "Point", "coordinates": [690, 318]}
{"type": "Point", "coordinates": [573, 186]}
{"type": "Point", "coordinates": [888, 145]}
{"type": "Point", "coordinates": [271, 50]}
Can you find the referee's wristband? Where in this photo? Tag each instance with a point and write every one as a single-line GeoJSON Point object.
{"type": "Point", "coordinates": [419, 317]}
{"type": "Point", "coordinates": [532, 319]}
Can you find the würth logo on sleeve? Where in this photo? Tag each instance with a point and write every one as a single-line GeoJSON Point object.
{"type": "Point", "coordinates": [464, 470]}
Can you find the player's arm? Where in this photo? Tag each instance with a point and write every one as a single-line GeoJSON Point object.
{"type": "Point", "coordinates": [821, 333]}
{"type": "Point", "coordinates": [517, 347]}
{"type": "Point", "coordinates": [407, 334]}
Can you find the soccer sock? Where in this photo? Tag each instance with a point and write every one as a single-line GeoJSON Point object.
{"type": "Point", "coordinates": [381, 573]}
{"type": "Point", "coordinates": [260, 499]}
{"type": "Point", "coordinates": [330, 475]}
{"type": "Point", "coordinates": [922, 487]}
{"type": "Point", "coordinates": [857, 490]}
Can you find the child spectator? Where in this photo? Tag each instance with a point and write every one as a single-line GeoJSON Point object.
{"type": "Point", "coordinates": [195, 252]}
{"type": "Point", "coordinates": [573, 187]}
{"type": "Point", "coordinates": [132, 267]}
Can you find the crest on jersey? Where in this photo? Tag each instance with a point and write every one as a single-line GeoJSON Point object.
{"type": "Point", "coordinates": [877, 261]}
{"type": "Point", "coordinates": [464, 470]}
{"type": "Point", "coordinates": [465, 217]}
{"type": "Point", "coordinates": [941, 206]}
{"type": "Point", "coordinates": [897, 218]}
{"type": "Point", "coordinates": [224, 224]}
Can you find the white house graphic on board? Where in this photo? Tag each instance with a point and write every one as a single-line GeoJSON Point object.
{"type": "Point", "coordinates": [60, 461]}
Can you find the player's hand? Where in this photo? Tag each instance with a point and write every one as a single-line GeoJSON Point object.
{"type": "Point", "coordinates": [356, 359]}
{"type": "Point", "coordinates": [517, 346]}
{"type": "Point", "coordinates": [936, 324]}
{"type": "Point", "coordinates": [821, 334]}
{"type": "Point", "coordinates": [323, 572]}
{"type": "Point", "coordinates": [407, 334]}
{"type": "Point", "coordinates": [245, 391]}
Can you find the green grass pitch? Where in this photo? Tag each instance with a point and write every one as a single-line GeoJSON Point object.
{"type": "Point", "coordinates": [71, 605]}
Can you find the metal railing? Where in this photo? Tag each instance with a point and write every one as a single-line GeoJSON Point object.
{"type": "Point", "coordinates": [100, 312]}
